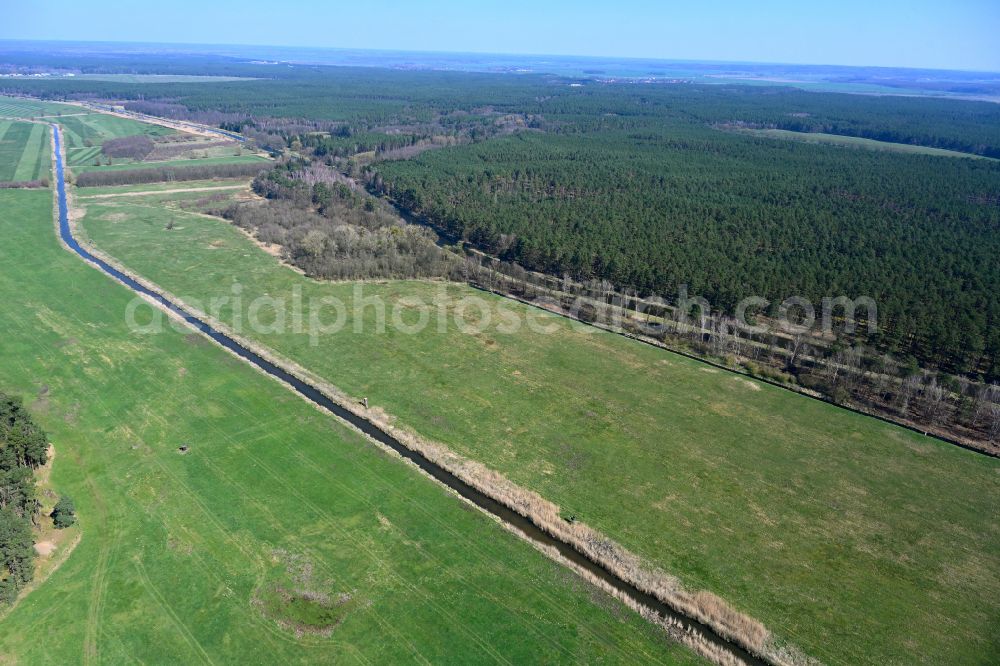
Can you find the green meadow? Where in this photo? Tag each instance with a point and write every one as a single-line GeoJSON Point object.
{"type": "Point", "coordinates": [24, 151]}
{"type": "Point", "coordinates": [841, 533]}
{"type": "Point", "coordinates": [20, 107]}
{"type": "Point", "coordinates": [280, 536]}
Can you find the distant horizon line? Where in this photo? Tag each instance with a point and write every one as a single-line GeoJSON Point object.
{"type": "Point", "coordinates": [660, 59]}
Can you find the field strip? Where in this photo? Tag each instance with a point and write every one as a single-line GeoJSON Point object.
{"type": "Point", "coordinates": [126, 657]}
{"type": "Point", "coordinates": [185, 489]}
{"type": "Point", "coordinates": [28, 165]}
{"type": "Point", "coordinates": [445, 527]}
{"type": "Point", "coordinates": [376, 559]}
{"type": "Point", "coordinates": [238, 444]}
{"type": "Point", "coordinates": [318, 561]}
{"type": "Point", "coordinates": [210, 572]}
{"type": "Point", "coordinates": [178, 483]}
{"type": "Point", "coordinates": [147, 193]}
{"type": "Point", "coordinates": [95, 608]}
{"type": "Point", "coordinates": [166, 608]}
{"type": "Point", "coordinates": [330, 521]}
{"type": "Point", "coordinates": [109, 548]}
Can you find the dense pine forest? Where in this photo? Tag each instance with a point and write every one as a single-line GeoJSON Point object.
{"type": "Point", "coordinates": [648, 185]}
{"type": "Point", "coordinates": [732, 217]}
{"type": "Point", "coordinates": [23, 448]}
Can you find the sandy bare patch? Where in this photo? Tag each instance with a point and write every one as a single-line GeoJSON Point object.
{"type": "Point", "coordinates": [45, 471]}
{"type": "Point", "coordinates": [722, 409]}
{"type": "Point", "coordinates": [920, 448]}
{"type": "Point", "coordinates": [272, 249]}
{"type": "Point", "coordinates": [665, 504]}
{"type": "Point", "coordinates": [45, 548]}
{"type": "Point", "coordinates": [114, 217]}
{"type": "Point", "coordinates": [753, 386]}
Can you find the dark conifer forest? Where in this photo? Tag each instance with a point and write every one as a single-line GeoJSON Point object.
{"type": "Point", "coordinates": [23, 448]}
{"type": "Point", "coordinates": [733, 216]}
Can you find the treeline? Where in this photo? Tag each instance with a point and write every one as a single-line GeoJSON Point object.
{"type": "Point", "coordinates": [330, 230]}
{"type": "Point", "coordinates": [847, 374]}
{"type": "Point", "coordinates": [167, 174]}
{"type": "Point", "coordinates": [23, 449]}
{"type": "Point", "coordinates": [346, 142]}
{"type": "Point", "coordinates": [24, 184]}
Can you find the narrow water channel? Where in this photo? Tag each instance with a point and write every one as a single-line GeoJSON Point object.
{"type": "Point", "coordinates": [484, 502]}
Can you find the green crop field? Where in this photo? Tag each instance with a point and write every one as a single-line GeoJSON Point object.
{"type": "Point", "coordinates": [841, 533]}
{"type": "Point", "coordinates": [280, 537]}
{"type": "Point", "coordinates": [19, 107]}
{"type": "Point", "coordinates": [24, 151]}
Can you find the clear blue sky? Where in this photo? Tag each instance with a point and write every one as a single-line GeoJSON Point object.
{"type": "Point", "coordinates": [950, 34]}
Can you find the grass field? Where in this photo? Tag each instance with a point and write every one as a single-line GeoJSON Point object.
{"type": "Point", "coordinates": [277, 518]}
{"type": "Point", "coordinates": [844, 535]}
{"type": "Point", "coordinates": [19, 107]}
{"type": "Point", "coordinates": [24, 151]}
{"type": "Point", "coordinates": [858, 142]}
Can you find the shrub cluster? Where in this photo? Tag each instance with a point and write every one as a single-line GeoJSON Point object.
{"type": "Point", "coordinates": [134, 147]}
{"type": "Point", "coordinates": [333, 231]}
{"type": "Point", "coordinates": [25, 184]}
